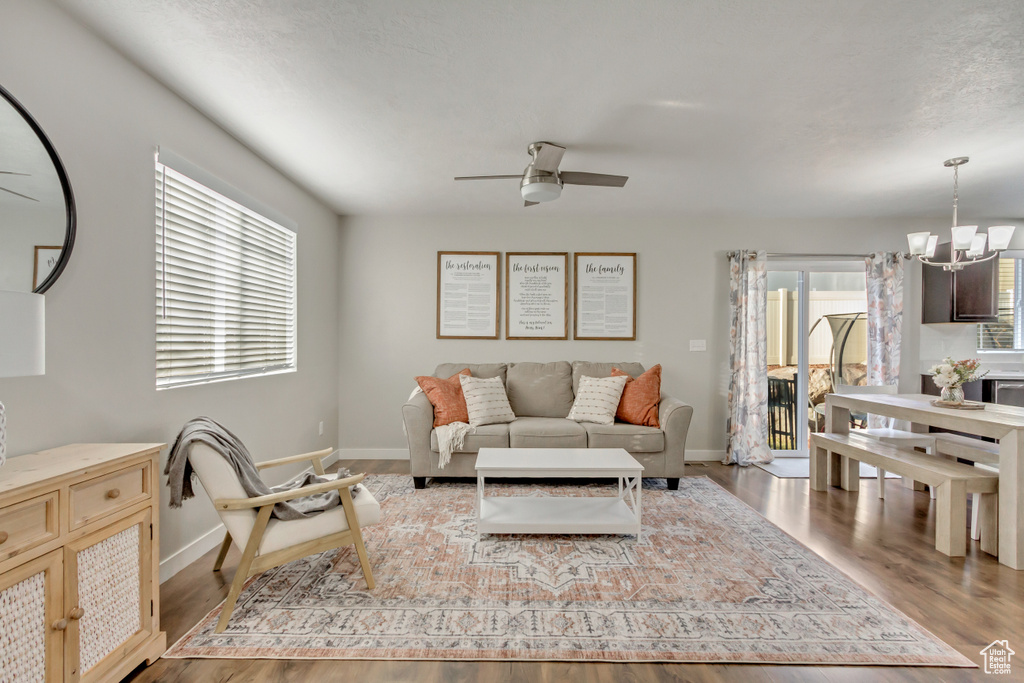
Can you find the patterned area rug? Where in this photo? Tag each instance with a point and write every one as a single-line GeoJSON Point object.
{"type": "Point", "coordinates": [709, 581]}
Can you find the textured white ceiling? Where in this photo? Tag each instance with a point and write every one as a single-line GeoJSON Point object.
{"type": "Point", "coordinates": [784, 108]}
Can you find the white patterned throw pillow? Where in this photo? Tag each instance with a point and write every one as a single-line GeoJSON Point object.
{"type": "Point", "coordinates": [597, 399]}
{"type": "Point", "coordinates": [486, 400]}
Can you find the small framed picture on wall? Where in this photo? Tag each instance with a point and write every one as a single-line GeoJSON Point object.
{"type": "Point", "coordinates": [604, 305]}
{"type": "Point", "coordinates": [537, 295]}
{"type": "Point", "coordinates": [468, 294]}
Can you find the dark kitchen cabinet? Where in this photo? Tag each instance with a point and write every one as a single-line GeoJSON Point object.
{"type": "Point", "coordinates": [973, 391]}
{"type": "Point", "coordinates": [970, 295]}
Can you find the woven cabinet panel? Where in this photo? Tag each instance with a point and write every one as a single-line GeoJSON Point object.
{"type": "Point", "coordinates": [108, 591]}
{"type": "Point", "coordinates": [23, 631]}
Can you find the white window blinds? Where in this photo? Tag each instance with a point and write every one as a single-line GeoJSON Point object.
{"type": "Point", "coordinates": [225, 287]}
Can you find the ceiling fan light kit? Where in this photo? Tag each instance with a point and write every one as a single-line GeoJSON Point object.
{"type": "Point", "coordinates": [539, 189]}
{"type": "Point", "coordinates": [968, 245]}
{"type": "Point", "coordinates": [543, 182]}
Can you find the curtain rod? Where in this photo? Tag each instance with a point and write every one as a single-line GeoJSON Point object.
{"type": "Point", "coordinates": [823, 256]}
{"type": "Point", "coordinates": [837, 257]}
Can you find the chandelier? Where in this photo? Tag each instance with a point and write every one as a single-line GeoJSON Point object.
{"type": "Point", "coordinates": [968, 244]}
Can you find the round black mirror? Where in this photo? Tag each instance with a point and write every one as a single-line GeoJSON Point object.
{"type": "Point", "coordinates": [37, 208]}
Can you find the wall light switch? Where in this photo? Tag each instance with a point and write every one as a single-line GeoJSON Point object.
{"type": "Point", "coordinates": [698, 345]}
{"type": "Point", "coordinates": [321, 428]}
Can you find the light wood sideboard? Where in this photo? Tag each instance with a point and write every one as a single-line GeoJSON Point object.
{"type": "Point", "coordinates": [79, 563]}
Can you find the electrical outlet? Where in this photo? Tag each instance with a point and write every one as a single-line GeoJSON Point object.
{"type": "Point", "coordinates": [698, 345]}
{"type": "Point", "coordinates": [321, 427]}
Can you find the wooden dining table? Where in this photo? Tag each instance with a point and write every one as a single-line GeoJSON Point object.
{"type": "Point", "coordinates": [1003, 423]}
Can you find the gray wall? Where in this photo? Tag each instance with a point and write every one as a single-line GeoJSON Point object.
{"type": "Point", "coordinates": [387, 276]}
{"type": "Point", "coordinates": [105, 118]}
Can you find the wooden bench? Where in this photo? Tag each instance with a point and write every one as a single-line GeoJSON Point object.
{"type": "Point", "coordinates": [966, 448]}
{"type": "Point", "coordinates": [952, 481]}
{"type": "Point", "coordinates": [973, 450]}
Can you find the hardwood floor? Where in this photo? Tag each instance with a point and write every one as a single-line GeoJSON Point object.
{"type": "Point", "coordinates": [887, 546]}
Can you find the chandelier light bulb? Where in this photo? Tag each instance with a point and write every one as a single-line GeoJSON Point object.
{"type": "Point", "coordinates": [963, 236]}
{"type": "Point", "coordinates": [977, 245]}
{"type": "Point", "coordinates": [999, 237]}
{"type": "Point", "coordinates": [918, 242]}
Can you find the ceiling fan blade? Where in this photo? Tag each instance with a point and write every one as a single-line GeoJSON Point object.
{"type": "Point", "coordinates": [4, 189]}
{"type": "Point", "coordinates": [13, 173]}
{"type": "Point", "coordinates": [488, 177]}
{"type": "Point", "coordinates": [529, 203]}
{"type": "Point", "coordinates": [547, 156]}
{"type": "Point", "coordinates": [600, 179]}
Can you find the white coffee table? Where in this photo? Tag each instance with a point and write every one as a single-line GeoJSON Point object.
{"type": "Point", "coordinates": [559, 515]}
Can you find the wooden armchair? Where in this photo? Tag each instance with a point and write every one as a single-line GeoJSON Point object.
{"type": "Point", "coordinates": [266, 542]}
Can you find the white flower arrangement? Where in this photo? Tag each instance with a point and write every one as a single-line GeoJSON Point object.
{"type": "Point", "coordinates": [950, 373]}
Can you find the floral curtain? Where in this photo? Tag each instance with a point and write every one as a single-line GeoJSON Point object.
{"type": "Point", "coordinates": [884, 272]}
{"type": "Point", "coordinates": [747, 438]}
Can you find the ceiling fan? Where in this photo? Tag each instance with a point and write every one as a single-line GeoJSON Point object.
{"type": "Point", "coordinates": [542, 181]}
{"type": "Point", "coordinates": [4, 189]}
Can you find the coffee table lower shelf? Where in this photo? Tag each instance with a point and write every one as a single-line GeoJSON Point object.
{"type": "Point", "coordinates": [560, 515]}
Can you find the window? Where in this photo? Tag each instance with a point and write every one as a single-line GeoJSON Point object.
{"type": "Point", "coordinates": [1008, 333]}
{"type": "Point", "coordinates": [225, 286]}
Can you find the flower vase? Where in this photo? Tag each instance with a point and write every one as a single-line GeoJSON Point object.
{"type": "Point", "coordinates": [953, 394]}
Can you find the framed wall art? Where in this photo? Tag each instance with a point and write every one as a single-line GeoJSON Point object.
{"type": "Point", "coordinates": [604, 305]}
{"type": "Point", "coordinates": [468, 294]}
{"type": "Point", "coordinates": [536, 295]}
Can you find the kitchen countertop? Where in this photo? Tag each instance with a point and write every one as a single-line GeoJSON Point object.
{"type": "Point", "coordinates": [1005, 372]}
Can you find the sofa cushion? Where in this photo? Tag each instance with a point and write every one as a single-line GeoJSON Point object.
{"type": "Point", "coordinates": [583, 367]}
{"type": "Point", "coordinates": [281, 534]}
{"type": "Point", "coordinates": [640, 398]}
{"type": "Point", "coordinates": [598, 399]}
{"type": "Point", "coordinates": [485, 436]}
{"type": "Point", "coordinates": [486, 401]}
{"type": "Point", "coordinates": [446, 397]}
{"type": "Point", "coordinates": [633, 438]}
{"type": "Point", "coordinates": [539, 389]}
{"type": "Point", "coordinates": [546, 432]}
{"type": "Point", "coordinates": [477, 370]}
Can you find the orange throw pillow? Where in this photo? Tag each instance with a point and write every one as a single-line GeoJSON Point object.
{"type": "Point", "coordinates": [640, 398]}
{"type": "Point", "coordinates": [446, 397]}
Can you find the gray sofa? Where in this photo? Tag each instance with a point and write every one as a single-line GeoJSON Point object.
{"type": "Point", "coordinates": [541, 395]}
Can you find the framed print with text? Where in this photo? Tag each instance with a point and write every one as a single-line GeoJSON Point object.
{"type": "Point", "coordinates": [604, 305]}
{"type": "Point", "coordinates": [468, 294]}
{"type": "Point", "coordinates": [536, 295]}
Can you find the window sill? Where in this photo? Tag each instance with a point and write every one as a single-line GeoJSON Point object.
{"type": "Point", "coordinates": [226, 378]}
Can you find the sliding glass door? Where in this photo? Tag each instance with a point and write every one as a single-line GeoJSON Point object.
{"type": "Point", "coordinates": [817, 338]}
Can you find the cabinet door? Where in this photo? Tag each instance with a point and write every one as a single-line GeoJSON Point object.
{"type": "Point", "coordinates": [964, 296]}
{"type": "Point", "coordinates": [976, 293]}
{"type": "Point", "coordinates": [937, 290]}
{"type": "Point", "coordinates": [108, 596]}
{"type": "Point", "coordinates": [31, 630]}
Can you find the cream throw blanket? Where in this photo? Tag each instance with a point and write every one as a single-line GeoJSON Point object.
{"type": "Point", "coordinates": [450, 437]}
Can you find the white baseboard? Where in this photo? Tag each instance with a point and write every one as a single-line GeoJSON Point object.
{"type": "Point", "coordinates": [328, 461]}
{"type": "Point", "coordinates": [190, 553]}
{"type": "Point", "coordinates": [704, 456]}
{"type": "Point", "coordinates": [372, 454]}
